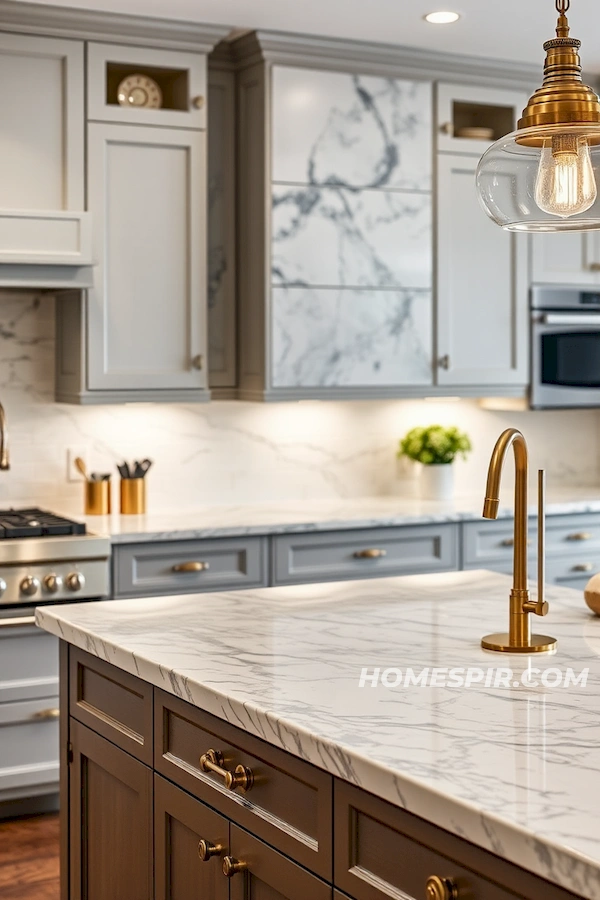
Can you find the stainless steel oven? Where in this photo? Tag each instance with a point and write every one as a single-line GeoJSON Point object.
{"type": "Point", "coordinates": [565, 348]}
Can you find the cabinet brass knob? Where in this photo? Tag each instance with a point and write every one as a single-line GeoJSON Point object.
{"type": "Point", "coordinates": [206, 850]}
{"type": "Point", "coordinates": [370, 553]}
{"type": "Point", "coordinates": [579, 536]}
{"type": "Point", "coordinates": [441, 889]}
{"type": "Point", "coordinates": [583, 567]}
{"type": "Point", "coordinates": [232, 866]}
{"type": "Point", "coordinates": [46, 714]}
{"type": "Point", "coordinates": [510, 542]}
{"type": "Point", "coordinates": [198, 362]}
{"type": "Point", "coordinates": [241, 777]}
{"type": "Point", "coordinates": [447, 128]}
{"type": "Point", "coordinates": [192, 566]}
{"type": "Point", "coordinates": [595, 267]}
{"type": "Point", "coordinates": [444, 362]}
{"type": "Point", "coordinates": [198, 102]}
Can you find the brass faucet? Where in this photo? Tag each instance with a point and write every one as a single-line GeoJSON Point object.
{"type": "Point", "coordinates": [519, 638]}
{"type": "Point", "coordinates": [4, 461]}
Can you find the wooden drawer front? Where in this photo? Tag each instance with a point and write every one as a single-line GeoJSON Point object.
{"type": "Point", "coordinates": [28, 664]}
{"type": "Point", "coordinates": [334, 555]}
{"type": "Point", "coordinates": [141, 570]}
{"type": "Point", "coordinates": [180, 823]}
{"type": "Point", "coordinates": [28, 747]}
{"type": "Point", "coordinates": [289, 804]}
{"type": "Point", "coordinates": [115, 704]}
{"type": "Point", "coordinates": [268, 875]}
{"type": "Point", "coordinates": [384, 852]}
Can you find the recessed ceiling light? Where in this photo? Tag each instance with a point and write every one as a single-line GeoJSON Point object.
{"type": "Point", "coordinates": [442, 17]}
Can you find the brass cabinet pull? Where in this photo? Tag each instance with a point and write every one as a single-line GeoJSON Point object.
{"type": "Point", "coordinates": [198, 362]}
{"type": "Point", "coordinates": [232, 866]}
{"type": "Point", "coordinates": [46, 714]}
{"type": "Point", "coordinates": [441, 889]}
{"type": "Point", "coordinates": [241, 777]}
{"type": "Point", "coordinates": [510, 542]}
{"type": "Point", "coordinates": [583, 567]}
{"type": "Point", "coordinates": [198, 102]}
{"type": "Point", "coordinates": [595, 267]}
{"type": "Point", "coordinates": [444, 362]}
{"type": "Point", "coordinates": [447, 128]}
{"type": "Point", "coordinates": [580, 536]}
{"type": "Point", "coordinates": [370, 553]}
{"type": "Point", "coordinates": [206, 850]}
{"type": "Point", "coordinates": [191, 566]}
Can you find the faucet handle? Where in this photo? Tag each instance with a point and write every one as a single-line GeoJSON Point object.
{"type": "Point", "coordinates": [537, 607]}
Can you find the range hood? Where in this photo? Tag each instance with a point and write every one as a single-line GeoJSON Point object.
{"type": "Point", "coordinates": [45, 249]}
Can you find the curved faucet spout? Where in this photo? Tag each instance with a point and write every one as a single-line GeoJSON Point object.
{"type": "Point", "coordinates": [512, 437]}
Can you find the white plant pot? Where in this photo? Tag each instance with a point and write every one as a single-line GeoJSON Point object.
{"type": "Point", "coordinates": [437, 482]}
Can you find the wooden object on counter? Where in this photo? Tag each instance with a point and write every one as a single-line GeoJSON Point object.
{"type": "Point", "coordinates": [592, 594]}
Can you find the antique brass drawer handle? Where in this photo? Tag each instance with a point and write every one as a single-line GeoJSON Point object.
{"type": "Point", "coordinates": [510, 542]}
{"type": "Point", "coordinates": [191, 567]}
{"type": "Point", "coordinates": [594, 267]}
{"type": "Point", "coordinates": [580, 536]}
{"type": "Point", "coordinates": [441, 889]}
{"type": "Point", "coordinates": [241, 777]}
{"type": "Point", "coordinates": [583, 567]}
{"type": "Point", "coordinates": [370, 553]}
{"type": "Point", "coordinates": [206, 850]}
{"type": "Point", "coordinates": [232, 866]}
{"type": "Point", "coordinates": [46, 714]}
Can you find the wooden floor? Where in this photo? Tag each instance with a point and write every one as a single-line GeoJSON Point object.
{"type": "Point", "coordinates": [29, 858]}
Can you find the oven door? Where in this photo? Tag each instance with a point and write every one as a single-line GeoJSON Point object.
{"type": "Point", "coordinates": [565, 360]}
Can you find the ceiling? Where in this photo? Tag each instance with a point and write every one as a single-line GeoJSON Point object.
{"type": "Point", "coordinates": [503, 29]}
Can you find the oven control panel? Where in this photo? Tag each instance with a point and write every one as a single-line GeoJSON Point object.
{"type": "Point", "coordinates": [54, 581]}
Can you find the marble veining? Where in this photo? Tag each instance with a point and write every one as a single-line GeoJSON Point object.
{"type": "Point", "coordinates": [514, 770]}
{"type": "Point", "coordinates": [377, 239]}
{"type": "Point", "coordinates": [355, 131]}
{"type": "Point", "coordinates": [315, 515]}
{"type": "Point", "coordinates": [350, 337]}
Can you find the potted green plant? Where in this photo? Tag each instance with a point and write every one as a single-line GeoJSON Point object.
{"type": "Point", "coordinates": [435, 447]}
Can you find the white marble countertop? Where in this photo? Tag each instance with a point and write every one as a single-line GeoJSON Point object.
{"type": "Point", "coordinates": [513, 769]}
{"type": "Point", "coordinates": [325, 515]}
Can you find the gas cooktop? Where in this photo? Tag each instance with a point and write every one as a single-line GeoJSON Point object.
{"type": "Point", "coordinates": [26, 523]}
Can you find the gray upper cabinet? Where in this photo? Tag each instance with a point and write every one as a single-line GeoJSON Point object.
{"type": "Point", "coordinates": [481, 322]}
{"type": "Point", "coordinates": [335, 210]}
{"type": "Point", "coordinates": [566, 258]}
{"type": "Point", "coordinates": [42, 218]}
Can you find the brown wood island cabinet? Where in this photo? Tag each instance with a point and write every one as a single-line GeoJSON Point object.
{"type": "Point", "coordinates": [163, 801]}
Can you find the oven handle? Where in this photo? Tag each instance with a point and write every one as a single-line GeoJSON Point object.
{"type": "Point", "coordinates": [19, 622]}
{"type": "Point", "coordinates": [570, 318]}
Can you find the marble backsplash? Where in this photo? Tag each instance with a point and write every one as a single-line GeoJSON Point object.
{"type": "Point", "coordinates": [233, 453]}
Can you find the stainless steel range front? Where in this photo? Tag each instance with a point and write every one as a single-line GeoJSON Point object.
{"type": "Point", "coordinates": [45, 558]}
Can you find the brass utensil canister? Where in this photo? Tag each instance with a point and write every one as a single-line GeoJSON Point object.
{"type": "Point", "coordinates": [97, 498]}
{"type": "Point", "coordinates": [133, 496]}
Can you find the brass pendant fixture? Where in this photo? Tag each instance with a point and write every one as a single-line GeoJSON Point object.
{"type": "Point", "coordinates": [545, 175]}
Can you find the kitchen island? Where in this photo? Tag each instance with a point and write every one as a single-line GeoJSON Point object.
{"type": "Point", "coordinates": [487, 789]}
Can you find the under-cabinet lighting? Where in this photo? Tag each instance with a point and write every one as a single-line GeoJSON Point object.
{"type": "Point", "coordinates": [442, 17]}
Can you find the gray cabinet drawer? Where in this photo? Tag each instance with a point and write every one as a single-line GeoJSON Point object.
{"type": "Point", "coordinates": [28, 663]}
{"type": "Point", "coordinates": [338, 555]}
{"type": "Point", "coordinates": [225, 564]}
{"type": "Point", "coordinates": [29, 742]}
{"type": "Point", "coordinates": [573, 572]}
{"type": "Point", "coordinates": [489, 544]}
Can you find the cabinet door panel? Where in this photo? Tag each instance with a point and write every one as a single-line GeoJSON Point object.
{"type": "Point", "coordinates": [351, 130]}
{"type": "Point", "coordinates": [269, 875]}
{"type": "Point", "coordinates": [147, 310]}
{"type": "Point", "coordinates": [41, 109]}
{"type": "Point", "coordinates": [349, 338]}
{"type": "Point", "coordinates": [482, 287]}
{"type": "Point", "coordinates": [181, 822]}
{"type": "Point", "coordinates": [111, 823]}
{"type": "Point", "coordinates": [565, 258]}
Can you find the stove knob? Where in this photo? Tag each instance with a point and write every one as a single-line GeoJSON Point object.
{"type": "Point", "coordinates": [75, 581]}
{"type": "Point", "coordinates": [52, 583]}
{"type": "Point", "coordinates": [30, 585]}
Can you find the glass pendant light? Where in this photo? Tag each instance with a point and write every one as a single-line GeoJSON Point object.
{"type": "Point", "coordinates": [545, 176]}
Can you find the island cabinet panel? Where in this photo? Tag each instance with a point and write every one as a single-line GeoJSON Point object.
{"type": "Point", "coordinates": [384, 852]}
{"type": "Point", "coordinates": [112, 702]}
{"type": "Point", "coordinates": [181, 823]}
{"type": "Point", "coordinates": [267, 875]}
{"type": "Point", "coordinates": [365, 553]}
{"type": "Point", "coordinates": [111, 821]}
{"type": "Point", "coordinates": [289, 801]}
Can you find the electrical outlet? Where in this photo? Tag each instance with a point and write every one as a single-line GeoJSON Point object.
{"type": "Point", "coordinates": [72, 453]}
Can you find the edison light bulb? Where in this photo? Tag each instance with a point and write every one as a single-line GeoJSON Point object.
{"type": "Point", "coordinates": [565, 184]}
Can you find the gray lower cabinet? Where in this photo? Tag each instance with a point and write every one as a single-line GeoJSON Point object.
{"type": "Point", "coordinates": [366, 553]}
{"type": "Point", "coordinates": [28, 712]}
{"type": "Point", "coordinates": [182, 567]}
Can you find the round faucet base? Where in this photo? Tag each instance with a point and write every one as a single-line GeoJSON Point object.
{"type": "Point", "coordinates": [540, 643]}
